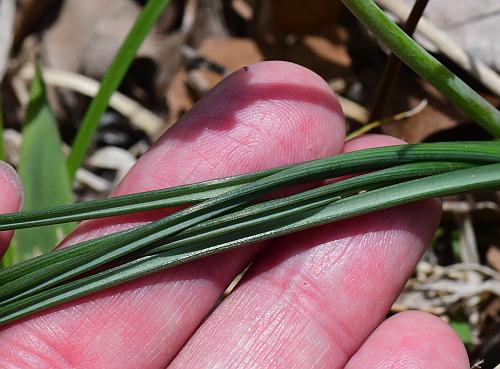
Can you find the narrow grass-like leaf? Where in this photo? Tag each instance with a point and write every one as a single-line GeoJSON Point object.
{"type": "Point", "coordinates": [71, 262]}
{"type": "Point", "coordinates": [192, 193]}
{"type": "Point", "coordinates": [103, 250]}
{"type": "Point", "coordinates": [43, 172]}
{"type": "Point", "coordinates": [250, 217]}
{"type": "Point", "coordinates": [126, 204]}
{"type": "Point", "coordinates": [485, 177]}
{"type": "Point", "coordinates": [424, 64]}
{"type": "Point", "coordinates": [112, 79]}
{"type": "Point", "coordinates": [255, 215]}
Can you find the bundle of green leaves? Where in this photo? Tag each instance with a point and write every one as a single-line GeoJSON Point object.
{"type": "Point", "coordinates": [234, 211]}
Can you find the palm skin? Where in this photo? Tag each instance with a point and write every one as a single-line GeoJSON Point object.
{"type": "Point", "coordinates": [316, 299]}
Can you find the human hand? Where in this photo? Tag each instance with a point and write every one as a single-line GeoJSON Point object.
{"type": "Point", "coordinates": [316, 299]}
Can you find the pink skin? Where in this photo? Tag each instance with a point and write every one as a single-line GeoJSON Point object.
{"type": "Point", "coordinates": [407, 340]}
{"type": "Point", "coordinates": [310, 300]}
{"type": "Point", "coordinates": [11, 194]}
{"type": "Point", "coordinates": [313, 297]}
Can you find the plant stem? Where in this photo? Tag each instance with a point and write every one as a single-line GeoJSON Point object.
{"type": "Point", "coordinates": [413, 55]}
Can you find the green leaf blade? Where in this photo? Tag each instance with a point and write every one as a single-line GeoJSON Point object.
{"type": "Point", "coordinates": [43, 173]}
{"type": "Point", "coordinates": [112, 79]}
{"type": "Point", "coordinates": [478, 152]}
{"type": "Point", "coordinates": [463, 329]}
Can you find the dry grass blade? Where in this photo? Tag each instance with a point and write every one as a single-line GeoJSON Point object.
{"type": "Point", "coordinates": [457, 91]}
{"type": "Point", "coordinates": [403, 115]}
{"type": "Point", "coordinates": [138, 115]}
{"type": "Point", "coordinates": [7, 14]}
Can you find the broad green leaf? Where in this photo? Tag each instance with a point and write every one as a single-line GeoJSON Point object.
{"type": "Point", "coordinates": [43, 172]}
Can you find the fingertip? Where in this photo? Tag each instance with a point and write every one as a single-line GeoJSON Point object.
{"type": "Point", "coordinates": [371, 140]}
{"type": "Point", "coordinates": [412, 339]}
{"type": "Point", "coordinates": [14, 185]}
{"type": "Point", "coordinates": [11, 197]}
{"type": "Point", "coordinates": [289, 92]}
{"type": "Point", "coordinates": [283, 73]}
{"type": "Point", "coordinates": [416, 323]}
{"type": "Point", "coordinates": [268, 114]}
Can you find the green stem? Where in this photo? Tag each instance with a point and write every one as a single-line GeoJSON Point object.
{"type": "Point", "coordinates": [413, 55]}
{"type": "Point", "coordinates": [112, 79]}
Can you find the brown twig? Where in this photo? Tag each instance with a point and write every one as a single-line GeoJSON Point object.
{"type": "Point", "coordinates": [394, 64]}
{"type": "Point", "coordinates": [448, 46]}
